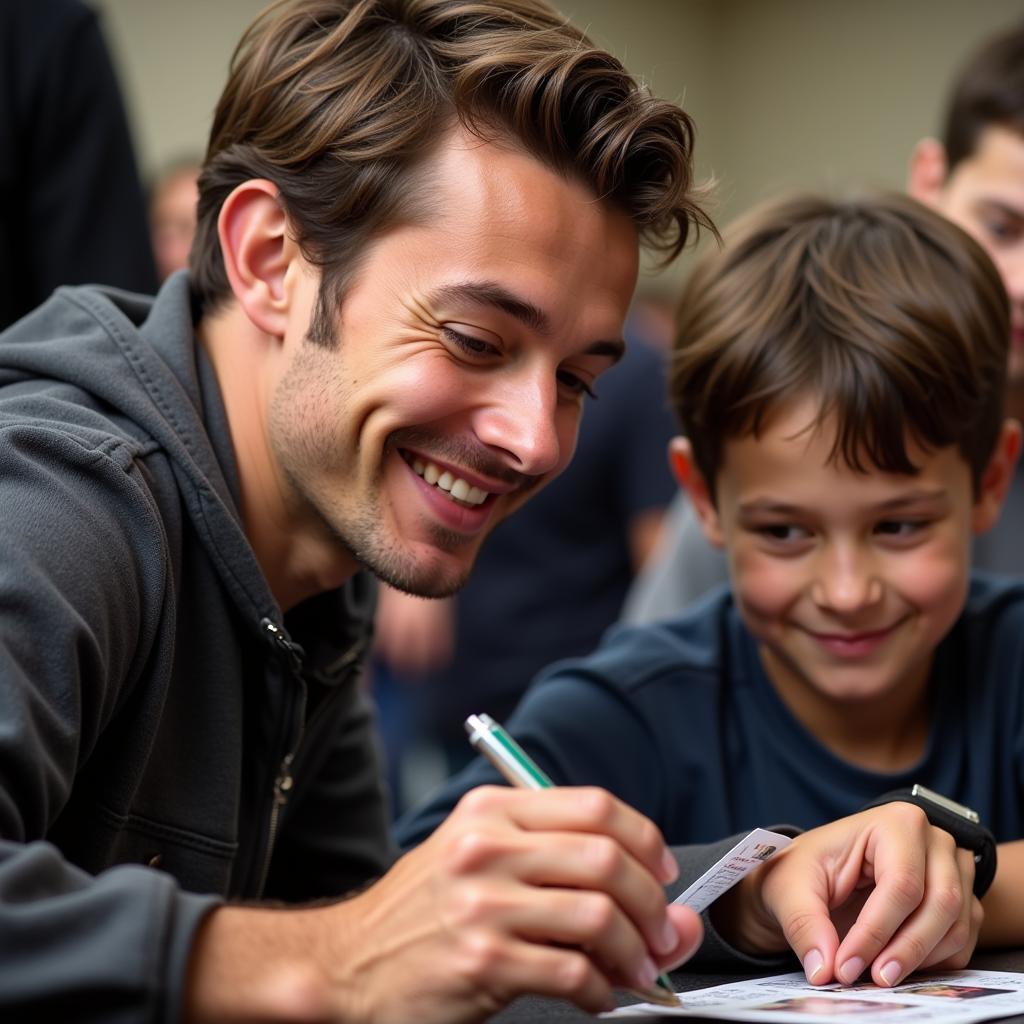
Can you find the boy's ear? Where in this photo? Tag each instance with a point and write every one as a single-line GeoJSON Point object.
{"type": "Point", "coordinates": [926, 175]}
{"type": "Point", "coordinates": [257, 249]}
{"type": "Point", "coordinates": [996, 479]}
{"type": "Point", "coordinates": [691, 479]}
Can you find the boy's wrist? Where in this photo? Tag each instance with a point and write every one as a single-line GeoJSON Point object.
{"type": "Point", "coordinates": [959, 821]}
{"type": "Point", "coordinates": [740, 917]}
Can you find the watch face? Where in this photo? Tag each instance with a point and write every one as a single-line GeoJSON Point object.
{"type": "Point", "coordinates": [945, 802]}
{"type": "Point", "coordinates": [962, 823]}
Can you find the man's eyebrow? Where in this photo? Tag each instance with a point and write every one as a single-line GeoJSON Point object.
{"type": "Point", "coordinates": [489, 293]}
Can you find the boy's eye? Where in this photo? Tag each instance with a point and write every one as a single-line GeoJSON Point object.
{"type": "Point", "coordinates": [782, 532]}
{"type": "Point", "coordinates": [900, 527]}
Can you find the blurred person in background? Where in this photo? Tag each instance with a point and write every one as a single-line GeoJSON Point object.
{"type": "Point", "coordinates": [71, 205]}
{"type": "Point", "coordinates": [172, 215]}
{"type": "Point", "coordinates": [975, 177]}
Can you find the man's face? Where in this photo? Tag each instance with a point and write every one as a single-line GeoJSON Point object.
{"type": "Point", "coordinates": [848, 580]}
{"type": "Point", "coordinates": [465, 346]}
{"type": "Point", "coordinates": [984, 194]}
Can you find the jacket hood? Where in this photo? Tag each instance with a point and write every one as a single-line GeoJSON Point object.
{"type": "Point", "coordinates": [137, 356]}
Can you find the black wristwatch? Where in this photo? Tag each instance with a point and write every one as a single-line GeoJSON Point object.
{"type": "Point", "coordinates": [960, 822]}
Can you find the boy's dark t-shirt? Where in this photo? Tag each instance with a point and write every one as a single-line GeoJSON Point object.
{"type": "Point", "coordinates": [680, 720]}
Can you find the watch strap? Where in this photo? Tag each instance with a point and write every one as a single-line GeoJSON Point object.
{"type": "Point", "coordinates": [959, 821]}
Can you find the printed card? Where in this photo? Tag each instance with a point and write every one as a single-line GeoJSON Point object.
{"type": "Point", "coordinates": [751, 851]}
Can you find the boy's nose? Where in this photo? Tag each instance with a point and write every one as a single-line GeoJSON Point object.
{"type": "Point", "coordinates": [522, 420]}
{"type": "Point", "coordinates": [846, 581]}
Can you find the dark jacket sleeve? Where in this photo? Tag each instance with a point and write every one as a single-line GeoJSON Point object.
{"type": "Point", "coordinates": [77, 622]}
{"type": "Point", "coordinates": [715, 951]}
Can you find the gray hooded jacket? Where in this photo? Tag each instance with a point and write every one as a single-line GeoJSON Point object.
{"type": "Point", "coordinates": [156, 708]}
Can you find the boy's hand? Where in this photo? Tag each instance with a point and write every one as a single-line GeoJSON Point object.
{"type": "Point", "coordinates": [558, 892]}
{"type": "Point", "coordinates": [882, 889]}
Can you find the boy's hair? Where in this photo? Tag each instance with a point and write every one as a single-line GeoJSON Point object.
{"type": "Point", "coordinates": [888, 315]}
{"type": "Point", "coordinates": [988, 92]}
{"type": "Point", "coordinates": [338, 102]}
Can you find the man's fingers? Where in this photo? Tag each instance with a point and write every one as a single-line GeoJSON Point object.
{"type": "Point", "coordinates": [506, 968]}
{"type": "Point", "coordinates": [689, 933]}
{"type": "Point", "coordinates": [590, 921]}
{"type": "Point", "coordinates": [573, 854]}
{"type": "Point", "coordinates": [583, 862]}
{"type": "Point", "coordinates": [581, 809]}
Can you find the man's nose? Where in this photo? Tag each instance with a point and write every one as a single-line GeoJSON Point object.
{"type": "Point", "coordinates": [521, 419]}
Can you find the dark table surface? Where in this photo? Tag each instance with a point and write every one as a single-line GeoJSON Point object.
{"type": "Point", "coordinates": [538, 1010]}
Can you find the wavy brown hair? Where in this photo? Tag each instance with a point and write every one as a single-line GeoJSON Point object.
{"type": "Point", "coordinates": [891, 317]}
{"type": "Point", "coordinates": [337, 102]}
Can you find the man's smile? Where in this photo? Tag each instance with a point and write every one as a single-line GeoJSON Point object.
{"type": "Point", "coordinates": [456, 487]}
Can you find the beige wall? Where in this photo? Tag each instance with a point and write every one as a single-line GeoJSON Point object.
{"type": "Point", "coordinates": [785, 93]}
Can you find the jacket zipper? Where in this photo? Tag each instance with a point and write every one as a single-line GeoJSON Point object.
{"type": "Point", "coordinates": [284, 781]}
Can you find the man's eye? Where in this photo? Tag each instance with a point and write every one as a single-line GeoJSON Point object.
{"type": "Point", "coordinates": [467, 343]}
{"type": "Point", "coordinates": [575, 385]}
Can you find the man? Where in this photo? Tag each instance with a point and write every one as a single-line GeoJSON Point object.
{"type": "Point", "coordinates": [975, 177]}
{"type": "Point", "coordinates": [556, 573]}
{"type": "Point", "coordinates": [416, 244]}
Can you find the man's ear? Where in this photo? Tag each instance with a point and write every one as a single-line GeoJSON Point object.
{"type": "Point", "coordinates": [257, 249]}
{"type": "Point", "coordinates": [691, 479]}
{"type": "Point", "coordinates": [927, 173]}
{"type": "Point", "coordinates": [996, 479]}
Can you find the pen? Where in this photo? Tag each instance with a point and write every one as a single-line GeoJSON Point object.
{"type": "Point", "coordinates": [487, 737]}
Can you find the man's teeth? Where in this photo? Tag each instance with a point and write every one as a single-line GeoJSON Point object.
{"type": "Point", "coordinates": [455, 487]}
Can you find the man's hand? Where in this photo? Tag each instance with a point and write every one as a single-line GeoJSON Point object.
{"type": "Point", "coordinates": [556, 892]}
{"type": "Point", "coordinates": [882, 889]}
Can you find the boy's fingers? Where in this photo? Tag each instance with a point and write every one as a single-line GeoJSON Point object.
{"type": "Point", "coordinates": [914, 906]}
{"type": "Point", "coordinates": [803, 915]}
{"type": "Point", "coordinates": [945, 926]}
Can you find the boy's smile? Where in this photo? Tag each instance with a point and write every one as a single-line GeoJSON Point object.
{"type": "Point", "coordinates": [847, 580]}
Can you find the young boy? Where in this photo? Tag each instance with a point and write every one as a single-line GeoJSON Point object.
{"type": "Point", "coordinates": [839, 373]}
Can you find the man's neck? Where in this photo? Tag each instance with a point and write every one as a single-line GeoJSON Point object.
{"type": "Point", "coordinates": [291, 546]}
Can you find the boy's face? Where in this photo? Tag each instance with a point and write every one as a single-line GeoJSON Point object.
{"type": "Point", "coordinates": [848, 580]}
